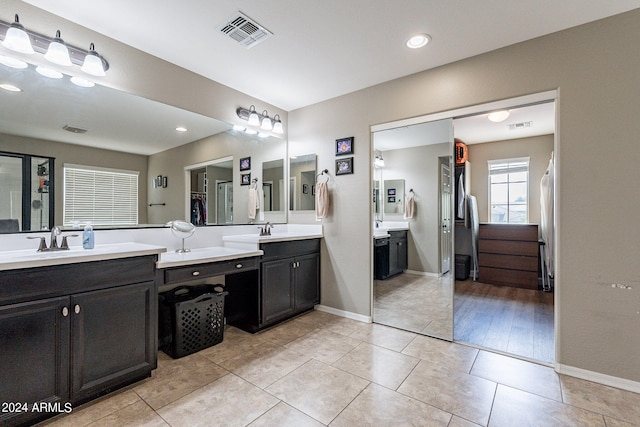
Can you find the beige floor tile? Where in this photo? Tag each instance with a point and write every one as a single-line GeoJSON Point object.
{"type": "Point", "coordinates": [518, 408]}
{"type": "Point", "coordinates": [264, 365]}
{"type": "Point", "coordinates": [383, 336]}
{"type": "Point", "coordinates": [96, 409]}
{"type": "Point", "coordinates": [377, 364]}
{"type": "Point", "coordinates": [452, 391]}
{"type": "Point", "coordinates": [288, 331]}
{"type": "Point", "coordinates": [176, 378]}
{"type": "Point", "coordinates": [611, 422]}
{"type": "Point", "coordinates": [235, 342]}
{"type": "Point", "coordinates": [379, 406]}
{"type": "Point", "coordinates": [138, 414]}
{"type": "Point", "coordinates": [324, 345]}
{"type": "Point", "coordinates": [526, 376]}
{"type": "Point", "coordinates": [615, 403]}
{"type": "Point", "coordinates": [318, 390]}
{"type": "Point", "coordinates": [283, 415]}
{"type": "Point", "coordinates": [442, 353]}
{"type": "Point", "coordinates": [229, 401]}
{"type": "Point", "coordinates": [461, 422]}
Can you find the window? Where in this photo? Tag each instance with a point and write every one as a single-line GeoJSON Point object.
{"type": "Point", "coordinates": [509, 190]}
{"type": "Point", "coordinates": [100, 196]}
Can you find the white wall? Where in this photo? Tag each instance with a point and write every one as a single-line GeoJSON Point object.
{"type": "Point", "coordinates": [595, 69]}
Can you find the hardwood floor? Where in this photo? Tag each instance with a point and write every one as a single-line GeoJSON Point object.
{"type": "Point", "coordinates": [510, 320]}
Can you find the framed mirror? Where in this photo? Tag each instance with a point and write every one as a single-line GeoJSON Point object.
{"type": "Point", "coordinates": [302, 180]}
{"type": "Point", "coordinates": [273, 185]}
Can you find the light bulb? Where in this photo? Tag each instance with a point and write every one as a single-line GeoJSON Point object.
{"type": "Point", "coordinates": [498, 116]}
{"type": "Point", "coordinates": [58, 52]}
{"type": "Point", "coordinates": [254, 119]}
{"type": "Point", "coordinates": [92, 63]}
{"type": "Point", "coordinates": [266, 121]}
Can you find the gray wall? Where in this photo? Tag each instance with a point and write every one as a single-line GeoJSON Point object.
{"type": "Point", "coordinates": [538, 149]}
{"type": "Point", "coordinates": [595, 69]}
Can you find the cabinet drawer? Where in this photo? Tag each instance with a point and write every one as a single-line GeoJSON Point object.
{"type": "Point", "coordinates": [508, 247]}
{"type": "Point", "coordinates": [289, 249]}
{"type": "Point", "coordinates": [510, 262]}
{"type": "Point", "coordinates": [402, 235]}
{"type": "Point", "coordinates": [509, 232]}
{"type": "Point", "coordinates": [191, 272]}
{"type": "Point", "coordinates": [513, 278]}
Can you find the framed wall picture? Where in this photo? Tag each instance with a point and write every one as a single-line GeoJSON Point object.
{"type": "Point", "coordinates": [344, 146]}
{"type": "Point", "coordinates": [391, 199]}
{"type": "Point", "coordinates": [245, 178]}
{"type": "Point", "coordinates": [391, 192]}
{"type": "Point", "coordinates": [245, 164]}
{"type": "Point", "coordinates": [344, 166]}
{"type": "Point", "coordinates": [305, 188]}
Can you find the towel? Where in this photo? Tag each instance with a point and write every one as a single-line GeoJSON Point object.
{"type": "Point", "coordinates": [409, 206]}
{"type": "Point", "coordinates": [461, 198]}
{"type": "Point", "coordinates": [253, 203]}
{"type": "Point", "coordinates": [322, 200]}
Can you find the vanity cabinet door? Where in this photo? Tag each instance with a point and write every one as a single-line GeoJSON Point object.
{"type": "Point", "coordinates": [110, 332]}
{"type": "Point", "coordinates": [277, 290]}
{"type": "Point", "coordinates": [34, 357]}
{"type": "Point", "coordinates": [307, 282]}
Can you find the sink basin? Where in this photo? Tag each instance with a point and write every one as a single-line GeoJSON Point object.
{"type": "Point", "coordinates": [380, 232]}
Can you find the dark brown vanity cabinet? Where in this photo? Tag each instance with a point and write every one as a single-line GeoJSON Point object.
{"type": "Point", "coordinates": [390, 255]}
{"type": "Point", "coordinates": [63, 345]}
{"type": "Point", "coordinates": [290, 279]}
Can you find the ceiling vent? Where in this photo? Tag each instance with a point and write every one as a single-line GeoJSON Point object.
{"type": "Point", "coordinates": [244, 30]}
{"type": "Point", "coordinates": [521, 125]}
{"type": "Point", "coordinates": [73, 129]}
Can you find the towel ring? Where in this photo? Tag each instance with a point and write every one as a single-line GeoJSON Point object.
{"type": "Point", "coordinates": [325, 174]}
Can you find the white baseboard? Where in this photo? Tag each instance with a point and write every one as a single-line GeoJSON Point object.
{"type": "Point", "coordinates": [599, 378]}
{"type": "Point", "coordinates": [343, 313]}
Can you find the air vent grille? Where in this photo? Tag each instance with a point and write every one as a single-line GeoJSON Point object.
{"type": "Point", "coordinates": [73, 129]}
{"type": "Point", "coordinates": [521, 125]}
{"type": "Point", "coordinates": [244, 30]}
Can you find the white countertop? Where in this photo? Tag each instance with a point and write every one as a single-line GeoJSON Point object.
{"type": "Point", "coordinates": [274, 237]}
{"type": "Point", "coordinates": [28, 258]}
{"type": "Point", "coordinates": [204, 255]}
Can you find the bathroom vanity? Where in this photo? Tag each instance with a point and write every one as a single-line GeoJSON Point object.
{"type": "Point", "coordinates": [75, 327]}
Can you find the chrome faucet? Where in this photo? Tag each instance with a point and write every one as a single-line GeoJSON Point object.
{"type": "Point", "coordinates": [266, 230]}
{"type": "Point", "coordinates": [53, 246]}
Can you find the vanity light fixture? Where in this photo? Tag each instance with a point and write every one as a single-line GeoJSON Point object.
{"type": "Point", "coordinates": [79, 81]}
{"type": "Point", "coordinates": [12, 62]}
{"type": "Point", "coordinates": [181, 129]}
{"type": "Point", "coordinates": [378, 161]}
{"type": "Point", "coordinates": [239, 128]}
{"type": "Point", "coordinates": [263, 120]}
{"type": "Point", "coordinates": [251, 131]}
{"type": "Point", "coordinates": [418, 41]}
{"type": "Point", "coordinates": [17, 39]}
{"type": "Point", "coordinates": [498, 116]}
{"type": "Point", "coordinates": [58, 52]}
{"type": "Point", "coordinates": [24, 41]}
{"type": "Point", "coordinates": [48, 72]}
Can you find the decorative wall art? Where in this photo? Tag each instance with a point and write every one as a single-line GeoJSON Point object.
{"type": "Point", "coordinates": [245, 179]}
{"type": "Point", "coordinates": [344, 166]}
{"type": "Point", "coordinates": [245, 163]}
{"type": "Point", "coordinates": [344, 146]}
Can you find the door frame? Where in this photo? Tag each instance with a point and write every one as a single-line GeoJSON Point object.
{"type": "Point", "coordinates": [546, 96]}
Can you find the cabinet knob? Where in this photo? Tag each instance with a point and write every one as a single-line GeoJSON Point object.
{"type": "Point", "coordinates": [195, 273]}
{"type": "Point", "coordinates": [65, 311]}
{"type": "Point", "coordinates": [76, 309]}
{"type": "Point", "coordinates": [238, 265]}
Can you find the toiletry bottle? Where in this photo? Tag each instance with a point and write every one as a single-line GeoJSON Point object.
{"type": "Point", "coordinates": [87, 237]}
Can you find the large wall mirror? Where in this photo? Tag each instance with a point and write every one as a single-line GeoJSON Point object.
{"type": "Point", "coordinates": [104, 128]}
{"type": "Point", "coordinates": [302, 180]}
{"type": "Point", "coordinates": [416, 158]}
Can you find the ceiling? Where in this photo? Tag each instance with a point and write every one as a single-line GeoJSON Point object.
{"type": "Point", "coordinates": [323, 49]}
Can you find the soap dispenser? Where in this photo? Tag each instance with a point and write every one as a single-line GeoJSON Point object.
{"type": "Point", "coordinates": [87, 237]}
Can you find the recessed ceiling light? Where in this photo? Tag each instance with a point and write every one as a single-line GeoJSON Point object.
{"type": "Point", "coordinates": [181, 129]}
{"type": "Point", "coordinates": [498, 116]}
{"type": "Point", "coordinates": [418, 41]}
{"type": "Point", "coordinates": [10, 87]}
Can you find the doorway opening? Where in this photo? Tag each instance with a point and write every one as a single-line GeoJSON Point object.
{"type": "Point", "coordinates": [481, 310]}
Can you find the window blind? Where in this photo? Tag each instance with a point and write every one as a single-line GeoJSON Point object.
{"type": "Point", "coordinates": [100, 196]}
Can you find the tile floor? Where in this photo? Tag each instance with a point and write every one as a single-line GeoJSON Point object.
{"type": "Point", "coordinates": [320, 369]}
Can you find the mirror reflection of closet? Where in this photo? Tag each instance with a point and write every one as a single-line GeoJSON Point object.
{"type": "Point", "coordinates": [420, 299]}
{"type": "Point", "coordinates": [273, 185]}
{"type": "Point", "coordinates": [302, 180]}
{"type": "Point", "coordinates": [212, 192]}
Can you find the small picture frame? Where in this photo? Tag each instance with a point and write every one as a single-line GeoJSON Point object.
{"type": "Point", "coordinates": [344, 166]}
{"type": "Point", "coordinates": [344, 146]}
{"type": "Point", "coordinates": [245, 164]}
{"type": "Point", "coordinates": [305, 188]}
{"type": "Point", "coordinates": [391, 199]}
{"type": "Point", "coordinates": [245, 179]}
{"type": "Point", "coordinates": [313, 190]}
{"type": "Point", "coordinates": [391, 192]}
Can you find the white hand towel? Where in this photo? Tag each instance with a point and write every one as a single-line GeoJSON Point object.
{"type": "Point", "coordinates": [253, 203]}
{"type": "Point", "coordinates": [322, 200]}
{"type": "Point", "coordinates": [409, 206]}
